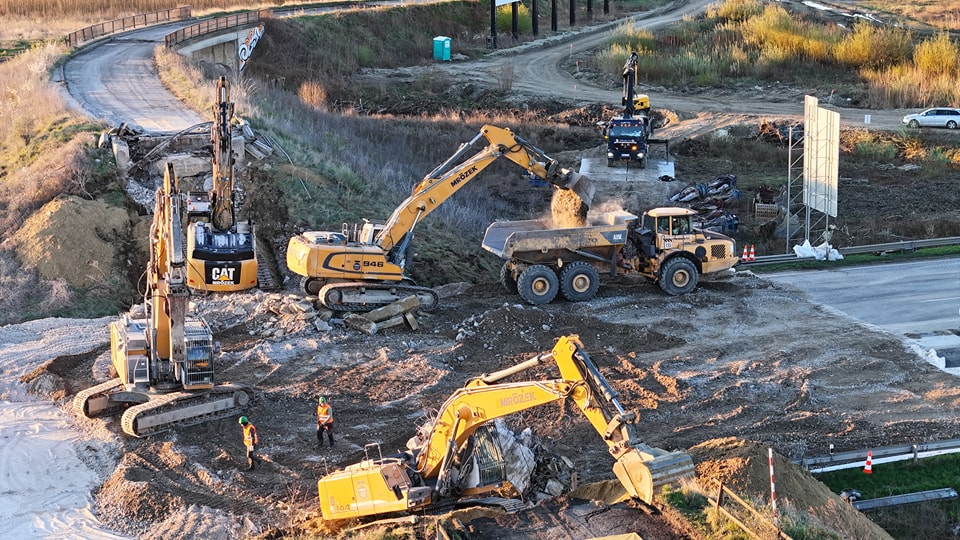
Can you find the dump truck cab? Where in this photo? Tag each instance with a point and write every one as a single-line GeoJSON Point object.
{"type": "Point", "coordinates": [677, 253]}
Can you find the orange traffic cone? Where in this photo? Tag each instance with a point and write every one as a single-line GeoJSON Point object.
{"type": "Point", "coordinates": [868, 468]}
{"type": "Point", "coordinates": [745, 255]}
{"type": "Point", "coordinates": [752, 256]}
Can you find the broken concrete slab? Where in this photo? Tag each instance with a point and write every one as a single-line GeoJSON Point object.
{"type": "Point", "coordinates": [404, 305]}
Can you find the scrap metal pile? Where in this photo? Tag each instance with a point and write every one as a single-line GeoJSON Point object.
{"type": "Point", "coordinates": [709, 200]}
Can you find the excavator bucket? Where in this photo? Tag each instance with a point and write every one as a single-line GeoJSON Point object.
{"type": "Point", "coordinates": [645, 478]}
{"type": "Point", "coordinates": [581, 185]}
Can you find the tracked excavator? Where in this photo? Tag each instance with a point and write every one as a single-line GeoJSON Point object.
{"type": "Point", "coordinates": [628, 134]}
{"type": "Point", "coordinates": [448, 458]}
{"type": "Point", "coordinates": [362, 268]}
{"type": "Point", "coordinates": [221, 250]}
{"type": "Point", "coordinates": [162, 364]}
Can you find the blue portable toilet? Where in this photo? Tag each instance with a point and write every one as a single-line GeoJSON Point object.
{"type": "Point", "coordinates": [441, 48]}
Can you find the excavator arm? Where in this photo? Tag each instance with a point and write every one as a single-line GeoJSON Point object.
{"type": "Point", "coordinates": [221, 196]}
{"type": "Point", "coordinates": [455, 173]}
{"type": "Point", "coordinates": [643, 470]}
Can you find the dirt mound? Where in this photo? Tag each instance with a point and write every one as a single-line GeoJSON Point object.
{"type": "Point", "coordinates": [744, 467]}
{"type": "Point", "coordinates": [73, 239]}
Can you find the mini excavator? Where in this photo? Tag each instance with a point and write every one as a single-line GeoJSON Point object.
{"type": "Point", "coordinates": [446, 459]}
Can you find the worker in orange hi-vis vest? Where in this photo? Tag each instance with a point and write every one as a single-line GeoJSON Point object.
{"type": "Point", "coordinates": [250, 440]}
{"type": "Point", "coordinates": [324, 422]}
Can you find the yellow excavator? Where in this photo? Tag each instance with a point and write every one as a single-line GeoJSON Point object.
{"type": "Point", "coordinates": [221, 250]}
{"type": "Point", "coordinates": [362, 268]}
{"type": "Point", "coordinates": [447, 458]}
{"type": "Point", "coordinates": [162, 365]}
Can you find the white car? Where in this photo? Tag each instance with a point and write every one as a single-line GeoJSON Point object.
{"type": "Point", "coordinates": [936, 117]}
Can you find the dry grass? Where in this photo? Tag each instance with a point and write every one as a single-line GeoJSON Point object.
{"type": "Point", "coordinates": [741, 41]}
{"type": "Point", "coordinates": [44, 19]}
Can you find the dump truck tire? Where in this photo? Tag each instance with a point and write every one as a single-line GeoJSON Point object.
{"type": "Point", "coordinates": [538, 285]}
{"type": "Point", "coordinates": [678, 276]}
{"type": "Point", "coordinates": [579, 282]}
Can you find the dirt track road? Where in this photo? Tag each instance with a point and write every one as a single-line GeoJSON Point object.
{"type": "Point", "coordinates": [116, 80]}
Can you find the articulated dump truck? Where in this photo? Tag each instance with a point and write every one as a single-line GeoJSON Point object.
{"type": "Point", "coordinates": [541, 259]}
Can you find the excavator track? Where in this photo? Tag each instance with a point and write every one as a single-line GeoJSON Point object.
{"type": "Point", "coordinates": [166, 411]}
{"type": "Point", "coordinates": [94, 401]}
{"type": "Point", "coordinates": [359, 296]}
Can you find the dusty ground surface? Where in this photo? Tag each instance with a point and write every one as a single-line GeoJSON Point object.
{"type": "Point", "coordinates": [725, 372]}
{"type": "Point", "coordinates": [743, 358]}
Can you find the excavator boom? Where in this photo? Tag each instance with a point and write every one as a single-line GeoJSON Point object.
{"type": "Point", "coordinates": [453, 174]}
{"type": "Point", "coordinates": [363, 268]}
{"type": "Point", "coordinates": [439, 453]}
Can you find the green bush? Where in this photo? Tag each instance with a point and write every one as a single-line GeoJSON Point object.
{"type": "Point", "coordinates": [505, 19]}
{"type": "Point", "coordinates": [879, 151]}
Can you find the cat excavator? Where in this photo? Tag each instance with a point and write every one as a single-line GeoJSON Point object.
{"type": "Point", "coordinates": [221, 250]}
{"type": "Point", "coordinates": [162, 364]}
{"type": "Point", "coordinates": [447, 458]}
{"type": "Point", "coordinates": [362, 268]}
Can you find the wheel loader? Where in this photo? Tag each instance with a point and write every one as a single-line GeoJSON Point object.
{"type": "Point", "coordinates": [162, 364]}
{"type": "Point", "coordinates": [362, 268]}
{"type": "Point", "coordinates": [449, 457]}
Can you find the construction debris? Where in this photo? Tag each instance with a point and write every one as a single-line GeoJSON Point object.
{"type": "Point", "coordinates": [387, 316]}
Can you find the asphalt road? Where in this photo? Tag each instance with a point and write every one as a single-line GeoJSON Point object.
{"type": "Point", "coordinates": [919, 300]}
{"type": "Point", "coordinates": [115, 80]}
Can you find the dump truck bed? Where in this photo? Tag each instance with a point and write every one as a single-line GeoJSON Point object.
{"type": "Point", "coordinates": [519, 239]}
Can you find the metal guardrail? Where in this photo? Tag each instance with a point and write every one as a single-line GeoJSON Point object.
{"type": "Point", "coordinates": [859, 456]}
{"type": "Point", "coordinates": [216, 25]}
{"type": "Point", "coordinates": [890, 247]}
{"type": "Point", "coordinates": [127, 23]}
{"type": "Point", "coordinates": [906, 498]}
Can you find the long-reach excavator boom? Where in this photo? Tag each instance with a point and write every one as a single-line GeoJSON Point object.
{"type": "Point", "coordinates": [221, 137]}
{"type": "Point", "coordinates": [363, 268]}
{"type": "Point", "coordinates": [443, 454]}
{"type": "Point", "coordinates": [164, 362]}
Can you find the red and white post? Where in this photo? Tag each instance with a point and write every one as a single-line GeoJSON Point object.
{"type": "Point", "coordinates": [773, 489]}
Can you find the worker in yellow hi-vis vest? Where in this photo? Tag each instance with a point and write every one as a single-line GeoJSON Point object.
{"type": "Point", "coordinates": [250, 440]}
{"type": "Point", "coordinates": [324, 422]}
